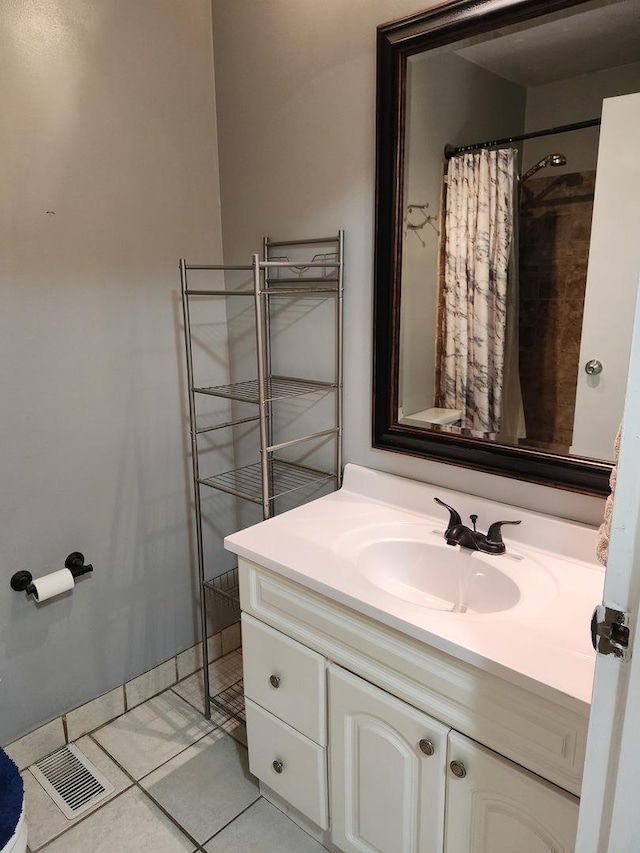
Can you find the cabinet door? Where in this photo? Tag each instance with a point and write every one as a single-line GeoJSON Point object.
{"type": "Point", "coordinates": [387, 793]}
{"type": "Point", "coordinates": [494, 806]}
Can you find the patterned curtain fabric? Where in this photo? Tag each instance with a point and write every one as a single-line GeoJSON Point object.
{"type": "Point", "coordinates": [478, 235]}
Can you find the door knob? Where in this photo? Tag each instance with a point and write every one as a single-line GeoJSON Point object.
{"type": "Point", "coordinates": [274, 681]}
{"type": "Point", "coordinates": [593, 367]}
{"type": "Point", "coordinates": [278, 766]}
{"type": "Point", "coordinates": [426, 746]}
{"type": "Point", "coordinates": [458, 769]}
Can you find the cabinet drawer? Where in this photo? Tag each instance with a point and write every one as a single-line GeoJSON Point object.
{"type": "Point", "coordinates": [285, 678]}
{"type": "Point", "coordinates": [302, 779]}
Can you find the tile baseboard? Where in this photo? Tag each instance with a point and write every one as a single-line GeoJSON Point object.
{"type": "Point", "coordinates": [103, 709]}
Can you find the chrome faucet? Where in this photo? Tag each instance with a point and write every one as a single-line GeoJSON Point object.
{"type": "Point", "coordinates": [458, 533]}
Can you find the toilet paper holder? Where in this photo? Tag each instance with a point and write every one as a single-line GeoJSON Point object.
{"type": "Point", "coordinates": [22, 581]}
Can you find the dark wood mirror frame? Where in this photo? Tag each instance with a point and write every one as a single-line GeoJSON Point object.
{"type": "Point", "coordinates": [396, 42]}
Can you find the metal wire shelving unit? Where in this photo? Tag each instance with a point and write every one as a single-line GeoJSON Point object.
{"type": "Point", "coordinates": [263, 482]}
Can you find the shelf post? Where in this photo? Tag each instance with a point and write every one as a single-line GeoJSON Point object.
{"type": "Point", "coordinates": [339, 362]}
{"type": "Point", "coordinates": [266, 317]}
{"type": "Point", "coordinates": [262, 389]}
{"type": "Point", "coordinates": [196, 485]}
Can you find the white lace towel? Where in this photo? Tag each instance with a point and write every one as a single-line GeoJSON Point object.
{"type": "Point", "coordinates": [602, 545]}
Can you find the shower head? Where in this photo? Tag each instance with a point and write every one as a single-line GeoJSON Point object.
{"type": "Point", "coordinates": [549, 160]}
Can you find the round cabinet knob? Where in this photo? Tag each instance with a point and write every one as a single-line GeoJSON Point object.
{"type": "Point", "coordinates": [458, 769]}
{"type": "Point", "coordinates": [278, 766]}
{"type": "Point", "coordinates": [274, 681]}
{"type": "Point", "coordinates": [593, 367]}
{"type": "Point", "coordinates": [426, 746]}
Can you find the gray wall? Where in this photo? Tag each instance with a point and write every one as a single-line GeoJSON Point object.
{"type": "Point", "coordinates": [295, 83]}
{"type": "Point", "coordinates": [109, 175]}
{"type": "Point", "coordinates": [573, 100]}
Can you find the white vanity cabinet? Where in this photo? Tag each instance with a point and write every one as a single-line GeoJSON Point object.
{"type": "Point", "coordinates": [394, 746]}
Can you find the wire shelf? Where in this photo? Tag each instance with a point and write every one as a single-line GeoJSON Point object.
{"type": "Point", "coordinates": [290, 278]}
{"type": "Point", "coordinates": [271, 244]}
{"type": "Point", "coordinates": [219, 292]}
{"type": "Point", "coordinates": [247, 482]}
{"type": "Point", "coordinates": [278, 388]}
{"type": "Point", "coordinates": [293, 290]}
{"type": "Point", "coordinates": [231, 701]}
{"type": "Point", "coordinates": [225, 589]}
{"type": "Point", "coordinates": [275, 281]}
{"type": "Point", "coordinates": [322, 266]}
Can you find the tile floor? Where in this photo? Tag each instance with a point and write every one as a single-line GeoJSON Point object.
{"type": "Point", "coordinates": [182, 783]}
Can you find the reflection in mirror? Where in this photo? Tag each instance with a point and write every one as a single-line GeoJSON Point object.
{"type": "Point", "coordinates": [498, 315]}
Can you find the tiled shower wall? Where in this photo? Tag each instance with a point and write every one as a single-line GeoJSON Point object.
{"type": "Point", "coordinates": [555, 227]}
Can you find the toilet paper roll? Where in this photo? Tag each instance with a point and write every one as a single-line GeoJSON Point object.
{"type": "Point", "coordinates": [49, 585]}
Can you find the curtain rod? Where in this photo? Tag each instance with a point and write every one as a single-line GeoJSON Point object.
{"type": "Point", "coordinates": [451, 151]}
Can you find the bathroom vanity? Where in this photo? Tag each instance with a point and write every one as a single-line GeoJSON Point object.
{"type": "Point", "coordinates": [404, 695]}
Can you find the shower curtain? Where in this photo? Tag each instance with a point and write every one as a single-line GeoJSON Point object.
{"type": "Point", "coordinates": [478, 234]}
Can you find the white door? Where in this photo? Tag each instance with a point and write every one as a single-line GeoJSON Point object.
{"type": "Point", "coordinates": [609, 802]}
{"type": "Point", "coordinates": [614, 262]}
{"type": "Point", "coordinates": [387, 771]}
{"type": "Point", "coordinates": [609, 807]}
{"type": "Point", "coordinates": [494, 806]}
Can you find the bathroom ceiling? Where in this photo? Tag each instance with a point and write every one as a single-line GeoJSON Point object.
{"type": "Point", "coordinates": [571, 44]}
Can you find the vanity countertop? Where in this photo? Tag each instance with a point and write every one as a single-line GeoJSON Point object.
{"type": "Point", "coordinates": [541, 643]}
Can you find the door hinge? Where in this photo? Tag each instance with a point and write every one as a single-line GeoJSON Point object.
{"type": "Point", "coordinates": [610, 631]}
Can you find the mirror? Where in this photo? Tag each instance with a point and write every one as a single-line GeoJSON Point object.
{"type": "Point", "coordinates": [487, 329]}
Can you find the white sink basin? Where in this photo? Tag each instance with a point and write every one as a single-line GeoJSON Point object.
{"type": "Point", "coordinates": [454, 580]}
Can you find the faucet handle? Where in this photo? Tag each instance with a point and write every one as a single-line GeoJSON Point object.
{"type": "Point", "coordinates": [454, 515]}
{"type": "Point", "coordinates": [494, 534]}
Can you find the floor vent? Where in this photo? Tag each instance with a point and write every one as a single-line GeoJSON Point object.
{"type": "Point", "coordinates": [71, 780]}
